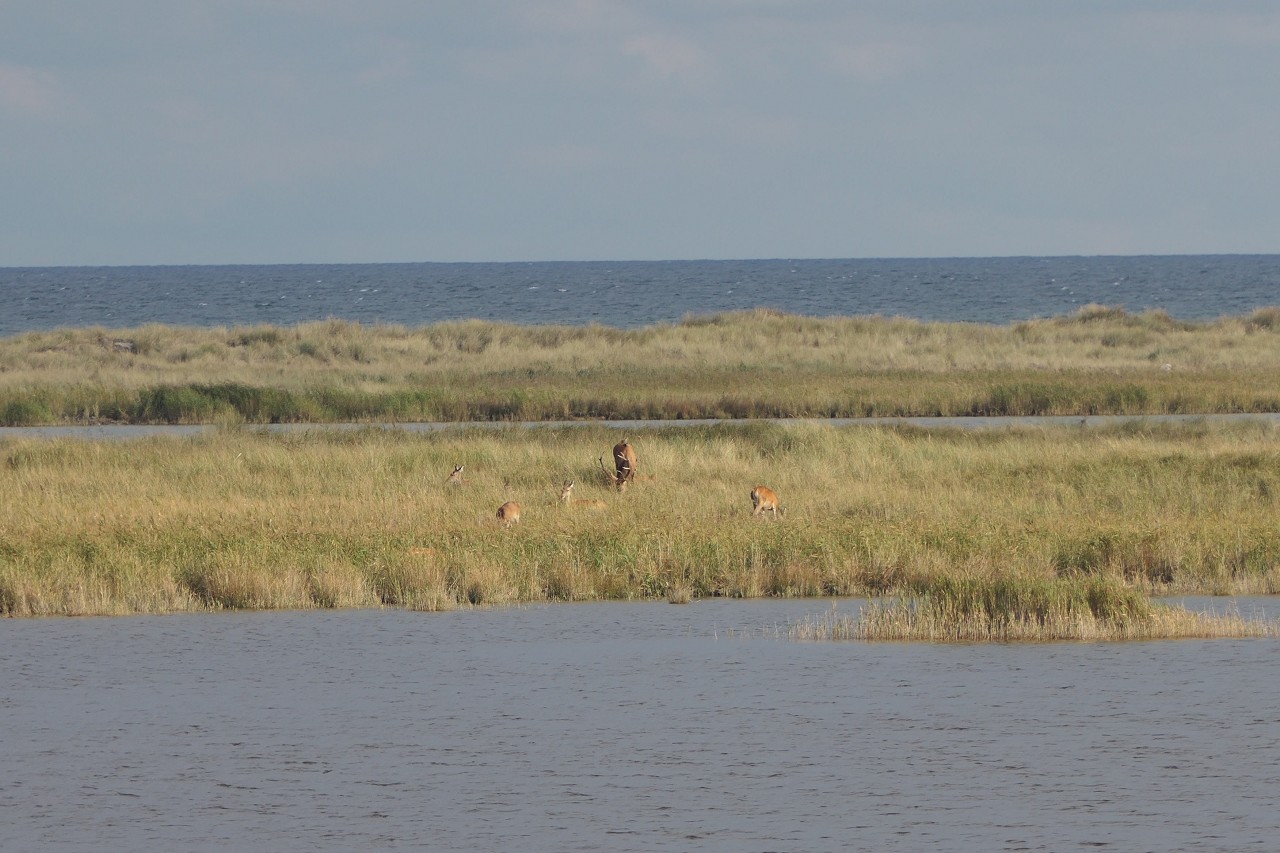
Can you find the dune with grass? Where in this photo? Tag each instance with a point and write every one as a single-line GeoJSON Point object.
{"type": "Point", "coordinates": [750, 364]}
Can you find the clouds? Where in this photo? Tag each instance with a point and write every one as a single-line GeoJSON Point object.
{"type": "Point", "coordinates": [505, 130]}
{"type": "Point", "coordinates": [29, 93]}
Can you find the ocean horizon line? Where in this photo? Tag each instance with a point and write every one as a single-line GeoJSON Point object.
{"type": "Point", "coordinates": [597, 261]}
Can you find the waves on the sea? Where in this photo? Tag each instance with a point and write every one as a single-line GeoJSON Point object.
{"type": "Point", "coordinates": [632, 293]}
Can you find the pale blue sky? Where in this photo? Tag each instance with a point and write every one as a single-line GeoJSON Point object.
{"type": "Point", "coordinates": [262, 131]}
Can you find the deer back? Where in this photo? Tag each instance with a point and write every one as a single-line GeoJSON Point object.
{"type": "Point", "coordinates": [764, 499]}
{"type": "Point", "coordinates": [509, 513]}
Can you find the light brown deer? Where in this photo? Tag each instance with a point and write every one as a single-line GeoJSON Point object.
{"type": "Point", "coordinates": [455, 479]}
{"type": "Point", "coordinates": [509, 513]}
{"type": "Point", "coordinates": [764, 499]}
{"type": "Point", "coordinates": [566, 498]}
{"type": "Point", "coordinates": [624, 463]}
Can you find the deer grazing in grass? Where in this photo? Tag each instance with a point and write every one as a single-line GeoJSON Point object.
{"type": "Point", "coordinates": [624, 464]}
{"type": "Point", "coordinates": [509, 513]}
{"type": "Point", "coordinates": [455, 479]}
{"type": "Point", "coordinates": [566, 498]}
{"type": "Point", "coordinates": [764, 499]}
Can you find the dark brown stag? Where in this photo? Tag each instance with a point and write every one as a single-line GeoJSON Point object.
{"type": "Point", "coordinates": [624, 465]}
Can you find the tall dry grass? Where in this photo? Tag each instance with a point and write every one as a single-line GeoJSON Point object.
{"type": "Point", "coordinates": [244, 519]}
{"type": "Point", "coordinates": [746, 364]}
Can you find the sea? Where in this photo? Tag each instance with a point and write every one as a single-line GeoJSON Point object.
{"type": "Point", "coordinates": [628, 294]}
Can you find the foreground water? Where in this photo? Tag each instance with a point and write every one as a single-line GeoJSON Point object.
{"type": "Point", "coordinates": [628, 294]}
{"type": "Point", "coordinates": [623, 727]}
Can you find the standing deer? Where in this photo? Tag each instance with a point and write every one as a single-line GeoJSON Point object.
{"type": "Point", "coordinates": [455, 479]}
{"type": "Point", "coordinates": [624, 463]}
{"type": "Point", "coordinates": [509, 513]}
{"type": "Point", "coordinates": [764, 499]}
{"type": "Point", "coordinates": [566, 498]}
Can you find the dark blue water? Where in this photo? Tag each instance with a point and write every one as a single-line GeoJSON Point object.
{"type": "Point", "coordinates": [633, 293]}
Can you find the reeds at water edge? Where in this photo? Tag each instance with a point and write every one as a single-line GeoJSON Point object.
{"type": "Point", "coordinates": [998, 610]}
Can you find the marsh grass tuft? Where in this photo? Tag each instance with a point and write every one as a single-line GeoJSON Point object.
{"type": "Point", "coordinates": [416, 581]}
{"type": "Point", "coordinates": [993, 600]}
{"type": "Point", "coordinates": [233, 581]}
{"type": "Point", "coordinates": [680, 594]}
{"type": "Point", "coordinates": [1022, 610]}
{"type": "Point", "coordinates": [336, 584]}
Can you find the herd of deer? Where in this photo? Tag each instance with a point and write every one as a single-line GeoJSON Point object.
{"type": "Point", "coordinates": [763, 498]}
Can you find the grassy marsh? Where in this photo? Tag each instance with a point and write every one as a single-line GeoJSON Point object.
{"type": "Point", "coordinates": [754, 364]}
{"type": "Point", "coordinates": [241, 518]}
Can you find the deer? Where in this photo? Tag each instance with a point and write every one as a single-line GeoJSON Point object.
{"type": "Point", "coordinates": [764, 499]}
{"type": "Point", "coordinates": [455, 479]}
{"type": "Point", "coordinates": [624, 463]}
{"type": "Point", "coordinates": [509, 513]}
{"type": "Point", "coordinates": [566, 498]}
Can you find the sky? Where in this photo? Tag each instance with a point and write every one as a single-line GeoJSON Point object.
{"type": "Point", "coordinates": [296, 131]}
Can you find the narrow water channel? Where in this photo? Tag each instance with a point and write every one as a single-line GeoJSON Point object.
{"type": "Point", "coordinates": [124, 431]}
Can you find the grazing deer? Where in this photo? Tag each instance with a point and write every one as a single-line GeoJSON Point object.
{"type": "Point", "coordinates": [624, 463]}
{"type": "Point", "coordinates": [509, 513]}
{"type": "Point", "coordinates": [455, 479]}
{"type": "Point", "coordinates": [566, 498]}
{"type": "Point", "coordinates": [764, 499]}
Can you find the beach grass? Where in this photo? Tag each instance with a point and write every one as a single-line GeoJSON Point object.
{"type": "Point", "coordinates": [748, 364]}
{"type": "Point", "coordinates": [247, 519]}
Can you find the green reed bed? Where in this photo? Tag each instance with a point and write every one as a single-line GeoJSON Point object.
{"type": "Point", "coordinates": [752, 364]}
{"type": "Point", "coordinates": [952, 609]}
{"type": "Point", "coordinates": [246, 519]}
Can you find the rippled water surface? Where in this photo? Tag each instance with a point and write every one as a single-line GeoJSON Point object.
{"type": "Point", "coordinates": [623, 727]}
{"type": "Point", "coordinates": [631, 293]}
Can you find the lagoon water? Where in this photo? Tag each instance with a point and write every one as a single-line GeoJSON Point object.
{"type": "Point", "coordinates": [621, 726]}
{"type": "Point", "coordinates": [632, 293]}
